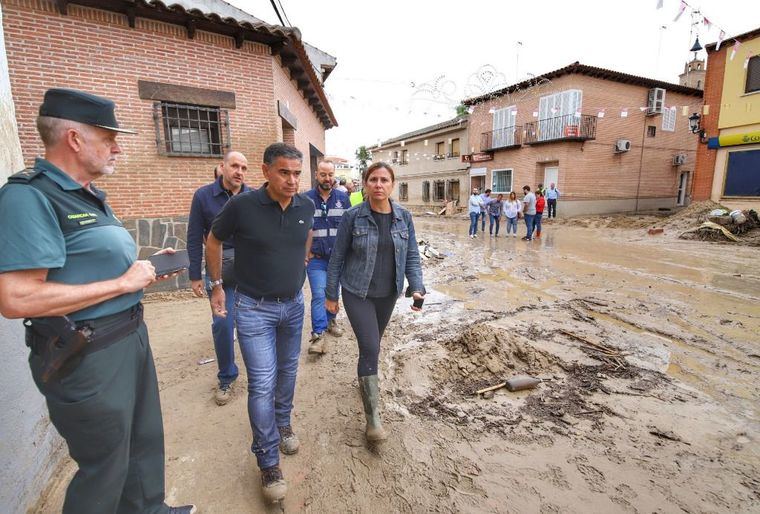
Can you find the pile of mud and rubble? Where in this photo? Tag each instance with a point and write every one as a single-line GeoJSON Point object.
{"type": "Point", "coordinates": [482, 356]}
{"type": "Point", "coordinates": [704, 221]}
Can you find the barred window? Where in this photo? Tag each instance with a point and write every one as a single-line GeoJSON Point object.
{"type": "Point", "coordinates": [191, 130]}
{"type": "Point", "coordinates": [439, 190]}
{"type": "Point", "coordinates": [426, 191]}
{"type": "Point", "coordinates": [403, 191]}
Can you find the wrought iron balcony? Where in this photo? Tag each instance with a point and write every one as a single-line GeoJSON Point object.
{"type": "Point", "coordinates": [508, 137]}
{"type": "Point", "coordinates": [561, 128]}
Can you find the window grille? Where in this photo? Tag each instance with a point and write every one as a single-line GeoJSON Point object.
{"type": "Point", "coordinates": [191, 130]}
{"type": "Point", "coordinates": [426, 191]}
{"type": "Point", "coordinates": [403, 191]}
{"type": "Point", "coordinates": [502, 181]}
{"type": "Point", "coordinates": [439, 190]}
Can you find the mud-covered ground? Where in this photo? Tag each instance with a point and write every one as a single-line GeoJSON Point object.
{"type": "Point", "coordinates": [648, 352]}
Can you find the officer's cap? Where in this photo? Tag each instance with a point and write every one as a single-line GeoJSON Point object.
{"type": "Point", "coordinates": [74, 105]}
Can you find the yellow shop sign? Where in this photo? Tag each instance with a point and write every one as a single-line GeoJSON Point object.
{"type": "Point", "coordinates": [748, 138]}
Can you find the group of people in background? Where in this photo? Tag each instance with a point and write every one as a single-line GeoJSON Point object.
{"type": "Point", "coordinates": [530, 208]}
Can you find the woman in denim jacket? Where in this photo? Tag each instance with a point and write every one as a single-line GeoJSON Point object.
{"type": "Point", "coordinates": [374, 250]}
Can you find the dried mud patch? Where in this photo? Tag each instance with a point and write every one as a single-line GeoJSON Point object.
{"type": "Point", "coordinates": [483, 356]}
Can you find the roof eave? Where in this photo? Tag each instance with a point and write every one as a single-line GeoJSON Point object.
{"type": "Point", "coordinates": [592, 71]}
{"type": "Point", "coordinates": [274, 36]}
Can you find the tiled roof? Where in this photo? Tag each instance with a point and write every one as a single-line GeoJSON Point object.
{"type": "Point", "coordinates": [741, 37]}
{"type": "Point", "coordinates": [220, 17]}
{"type": "Point", "coordinates": [591, 71]}
{"type": "Point", "coordinates": [459, 120]}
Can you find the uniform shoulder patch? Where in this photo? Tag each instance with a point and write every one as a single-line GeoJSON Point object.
{"type": "Point", "coordinates": [24, 176]}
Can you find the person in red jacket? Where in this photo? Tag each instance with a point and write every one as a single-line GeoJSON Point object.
{"type": "Point", "coordinates": [540, 204]}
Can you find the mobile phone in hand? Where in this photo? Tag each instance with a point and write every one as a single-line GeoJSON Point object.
{"type": "Point", "coordinates": [418, 303]}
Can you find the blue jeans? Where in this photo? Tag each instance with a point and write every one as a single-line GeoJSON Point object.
{"type": "Point", "coordinates": [529, 224]}
{"type": "Point", "coordinates": [223, 332]}
{"type": "Point", "coordinates": [483, 215]}
{"type": "Point", "coordinates": [494, 219]}
{"type": "Point", "coordinates": [512, 225]}
{"type": "Point", "coordinates": [537, 221]}
{"type": "Point", "coordinates": [317, 272]}
{"type": "Point", "coordinates": [270, 341]}
{"type": "Point", "coordinates": [473, 223]}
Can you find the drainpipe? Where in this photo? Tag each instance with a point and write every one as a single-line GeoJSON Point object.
{"type": "Point", "coordinates": [641, 163]}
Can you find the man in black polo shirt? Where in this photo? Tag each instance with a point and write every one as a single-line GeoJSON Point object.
{"type": "Point", "coordinates": [272, 231]}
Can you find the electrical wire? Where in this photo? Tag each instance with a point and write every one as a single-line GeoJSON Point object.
{"type": "Point", "coordinates": [277, 12]}
{"type": "Point", "coordinates": [284, 13]}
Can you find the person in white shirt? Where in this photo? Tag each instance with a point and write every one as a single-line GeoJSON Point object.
{"type": "Point", "coordinates": [512, 208]}
{"type": "Point", "coordinates": [474, 207]}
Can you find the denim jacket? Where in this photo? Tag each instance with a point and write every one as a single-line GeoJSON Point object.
{"type": "Point", "coordinates": [353, 256]}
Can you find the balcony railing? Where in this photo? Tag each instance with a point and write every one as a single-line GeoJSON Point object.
{"type": "Point", "coordinates": [508, 137]}
{"type": "Point", "coordinates": [561, 128]}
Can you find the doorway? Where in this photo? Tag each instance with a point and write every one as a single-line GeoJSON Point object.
{"type": "Point", "coordinates": [683, 181]}
{"type": "Point", "coordinates": [551, 175]}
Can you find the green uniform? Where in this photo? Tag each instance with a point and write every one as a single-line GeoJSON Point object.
{"type": "Point", "coordinates": [107, 409]}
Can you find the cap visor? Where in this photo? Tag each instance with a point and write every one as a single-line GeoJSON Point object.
{"type": "Point", "coordinates": [124, 131]}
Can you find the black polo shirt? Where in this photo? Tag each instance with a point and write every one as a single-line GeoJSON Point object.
{"type": "Point", "coordinates": [270, 244]}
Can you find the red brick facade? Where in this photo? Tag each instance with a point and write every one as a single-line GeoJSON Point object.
{"type": "Point", "coordinates": [591, 172]}
{"type": "Point", "coordinates": [98, 52]}
{"type": "Point", "coordinates": [705, 169]}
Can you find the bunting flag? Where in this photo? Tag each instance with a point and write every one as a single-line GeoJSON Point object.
{"type": "Point", "coordinates": [600, 114]}
{"type": "Point", "coordinates": [721, 37]}
{"type": "Point", "coordinates": [624, 113]}
{"type": "Point", "coordinates": [681, 9]}
{"type": "Point", "coordinates": [734, 50]}
{"type": "Point", "coordinates": [707, 22]}
{"type": "Point", "coordinates": [659, 4]}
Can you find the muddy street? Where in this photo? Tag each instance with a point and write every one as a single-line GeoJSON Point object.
{"type": "Point", "coordinates": [647, 349]}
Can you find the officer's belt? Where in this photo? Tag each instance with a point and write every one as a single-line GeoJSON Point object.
{"type": "Point", "coordinates": [105, 331]}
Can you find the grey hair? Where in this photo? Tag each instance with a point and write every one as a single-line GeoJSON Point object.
{"type": "Point", "coordinates": [51, 129]}
{"type": "Point", "coordinates": [276, 150]}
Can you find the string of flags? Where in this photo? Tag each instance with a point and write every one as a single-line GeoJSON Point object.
{"type": "Point", "coordinates": [710, 25]}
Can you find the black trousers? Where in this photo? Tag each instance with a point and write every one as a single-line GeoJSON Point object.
{"type": "Point", "coordinates": [108, 412]}
{"type": "Point", "coordinates": [552, 207]}
{"type": "Point", "coordinates": [368, 319]}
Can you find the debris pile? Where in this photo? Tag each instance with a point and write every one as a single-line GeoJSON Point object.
{"type": "Point", "coordinates": [722, 225]}
{"type": "Point", "coordinates": [481, 356]}
{"type": "Point", "coordinates": [428, 252]}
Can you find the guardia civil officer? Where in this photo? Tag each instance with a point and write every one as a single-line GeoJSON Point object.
{"type": "Point", "coordinates": [64, 253]}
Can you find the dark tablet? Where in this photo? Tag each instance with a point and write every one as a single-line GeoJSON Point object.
{"type": "Point", "coordinates": [168, 263]}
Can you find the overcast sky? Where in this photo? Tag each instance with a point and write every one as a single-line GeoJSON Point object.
{"type": "Point", "coordinates": [404, 64]}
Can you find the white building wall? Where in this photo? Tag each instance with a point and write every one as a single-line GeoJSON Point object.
{"type": "Point", "coordinates": [29, 445]}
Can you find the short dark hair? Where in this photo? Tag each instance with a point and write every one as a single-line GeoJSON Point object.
{"type": "Point", "coordinates": [488, 191]}
{"type": "Point", "coordinates": [376, 166]}
{"type": "Point", "coordinates": [276, 150]}
{"type": "Point", "coordinates": [342, 182]}
{"type": "Point", "coordinates": [216, 171]}
{"type": "Point", "coordinates": [526, 188]}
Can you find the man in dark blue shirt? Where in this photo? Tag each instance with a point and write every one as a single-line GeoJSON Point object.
{"type": "Point", "coordinates": [329, 205]}
{"type": "Point", "coordinates": [207, 202]}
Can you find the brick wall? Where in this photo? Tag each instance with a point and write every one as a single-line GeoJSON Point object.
{"type": "Point", "coordinates": [705, 168]}
{"type": "Point", "coordinates": [591, 171]}
{"type": "Point", "coordinates": [97, 51]}
{"type": "Point", "coordinates": [308, 130]}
